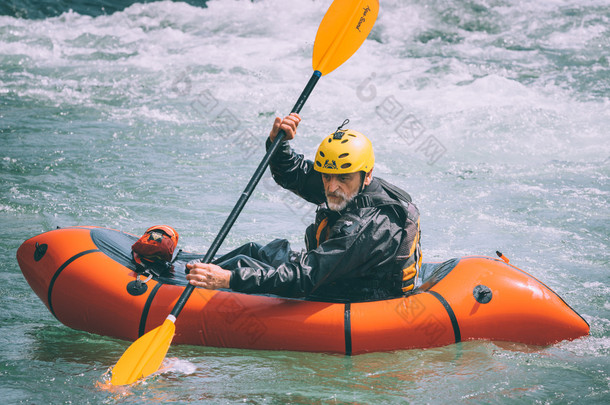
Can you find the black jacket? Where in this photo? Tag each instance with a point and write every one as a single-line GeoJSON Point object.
{"type": "Point", "coordinates": [357, 261]}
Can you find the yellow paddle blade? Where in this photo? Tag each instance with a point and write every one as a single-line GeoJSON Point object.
{"type": "Point", "coordinates": [343, 29]}
{"type": "Point", "coordinates": [145, 355]}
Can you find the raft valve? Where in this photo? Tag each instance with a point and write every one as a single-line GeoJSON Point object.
{"type": "Point", "coordinates": [136, 287]}
{"type": "Point", "coordinates": [40, 251]}
{"type": "Point", "coordinates": [482, 294]}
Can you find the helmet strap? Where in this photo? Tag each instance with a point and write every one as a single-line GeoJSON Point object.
{"type": "Point", "coordinates": [362, 177]}
{"type": "Point", "coordinates": [338, 134]}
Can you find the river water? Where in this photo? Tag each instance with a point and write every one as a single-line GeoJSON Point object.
{"type": "Point", "coordinates": [493, 114]}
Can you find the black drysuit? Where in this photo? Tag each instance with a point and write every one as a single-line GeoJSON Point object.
{"type": "Point", "coordinates": [354, 255]}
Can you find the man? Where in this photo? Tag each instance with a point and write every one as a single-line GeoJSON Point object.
{"type": "Point", "coordinates": [364, 244]}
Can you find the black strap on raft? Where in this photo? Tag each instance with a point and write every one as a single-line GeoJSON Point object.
{"type": "Point", "coordinates": [156, 269]}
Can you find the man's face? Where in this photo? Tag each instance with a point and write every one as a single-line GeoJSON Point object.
{"type": "Point", "coordinates": [340, 189]}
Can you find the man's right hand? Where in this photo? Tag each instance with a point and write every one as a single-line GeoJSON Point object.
{"type": "Point", "coordinates": [289, 124]}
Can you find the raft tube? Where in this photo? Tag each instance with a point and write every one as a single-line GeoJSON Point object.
{"type": "Point", "coordinates": [85, 277]}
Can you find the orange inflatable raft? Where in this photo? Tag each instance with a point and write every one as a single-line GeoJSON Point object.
{"type": "Point", "coordinates": [84, 275]}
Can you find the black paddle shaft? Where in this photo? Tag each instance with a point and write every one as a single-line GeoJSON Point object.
{"type": "Point", "coordinates": [258, 174]}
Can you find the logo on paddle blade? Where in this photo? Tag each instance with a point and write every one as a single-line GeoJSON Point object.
{"type": "Point", "coordinates": [330, 164]}
{"type": "Point", "coordinates": [362, 19]}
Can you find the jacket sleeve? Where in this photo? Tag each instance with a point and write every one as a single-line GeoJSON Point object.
{"type": "Point", "coordinates": [295, 173]}
{"type": "Point", "coordinates": [359, 244]}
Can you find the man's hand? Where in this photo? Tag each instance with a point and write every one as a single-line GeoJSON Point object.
{"type": "Point", "coordinates": [289, 124]}
{"type": "Point", "coordinates": [207, 275]}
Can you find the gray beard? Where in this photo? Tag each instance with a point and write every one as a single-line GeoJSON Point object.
{"type": "Point", "coordinates": [341, 206]}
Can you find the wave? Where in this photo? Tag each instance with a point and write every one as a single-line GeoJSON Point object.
{"type": "Point", "coordinates": [39, 9]}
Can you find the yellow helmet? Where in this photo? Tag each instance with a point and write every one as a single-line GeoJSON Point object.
{"type": "Point", "coordinates": [344, 151]}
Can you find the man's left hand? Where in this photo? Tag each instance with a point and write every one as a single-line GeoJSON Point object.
{"type": "Point", "coordinates": [208, 275]}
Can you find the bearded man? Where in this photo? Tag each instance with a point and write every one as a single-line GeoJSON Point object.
{"type": "Point", "coordinates": [364, 244]}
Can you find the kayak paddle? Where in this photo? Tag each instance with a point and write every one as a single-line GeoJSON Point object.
{"type": "Point", "coordinates": [343, 29]}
